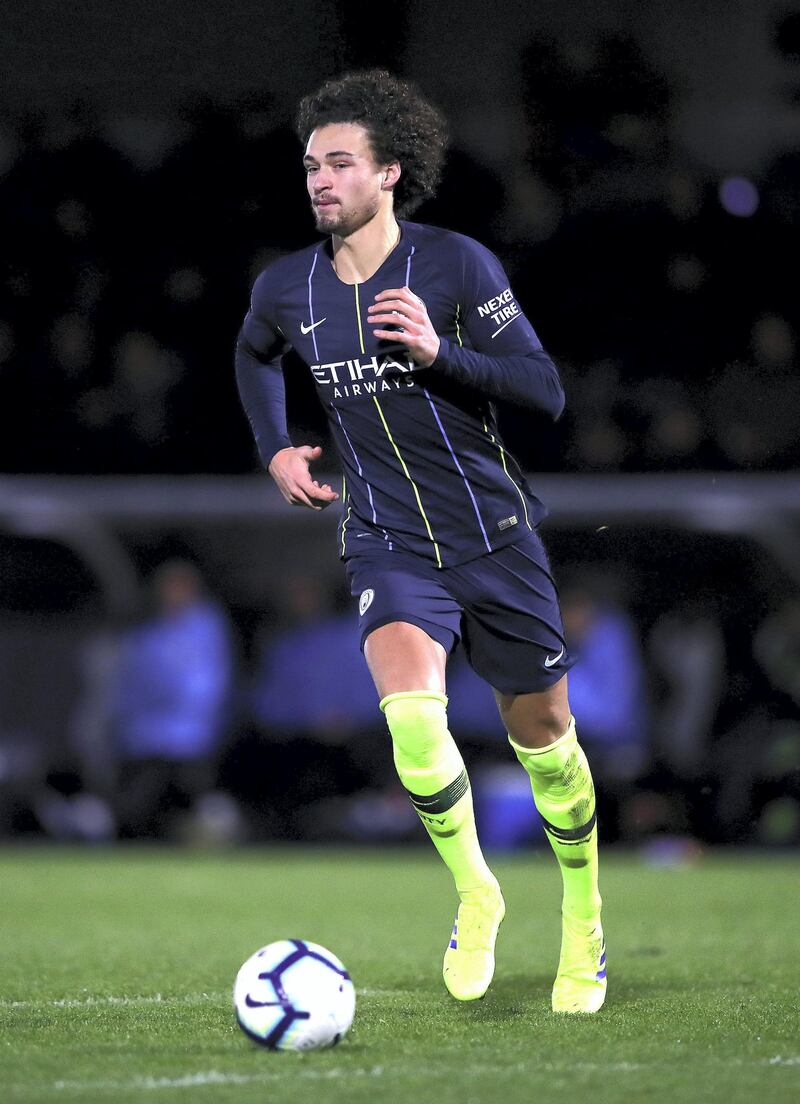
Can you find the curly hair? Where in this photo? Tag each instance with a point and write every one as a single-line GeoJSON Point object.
{"type": "Point", "coordinates": [402, 126]}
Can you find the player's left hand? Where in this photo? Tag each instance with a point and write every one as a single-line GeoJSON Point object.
{"type": "Point", "coordinates": [401, 307]}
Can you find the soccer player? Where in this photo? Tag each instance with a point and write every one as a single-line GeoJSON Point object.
{"type": "Point", "coordinates": [411, 333]}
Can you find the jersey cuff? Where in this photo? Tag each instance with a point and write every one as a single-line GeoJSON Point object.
{"type": "Point", "coordinates": [442, 356]}
{"type": "Point", "coordinates": [269, 453]}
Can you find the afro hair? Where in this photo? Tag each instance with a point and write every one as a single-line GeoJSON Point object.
{"type": "Point", "coordinates": [402, 127]}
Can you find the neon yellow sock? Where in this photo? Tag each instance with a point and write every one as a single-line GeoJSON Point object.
{"type": "Point", "coordinates": [431, 769]}
{"type": "Point", "coordinates": [564, 794]}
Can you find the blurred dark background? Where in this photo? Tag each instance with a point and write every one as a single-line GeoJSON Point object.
{"type": "Point", "coordinates": [636, 167]}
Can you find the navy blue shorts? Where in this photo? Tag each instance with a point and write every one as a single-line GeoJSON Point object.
{"type": "Point", "coordinates": [502, 606]}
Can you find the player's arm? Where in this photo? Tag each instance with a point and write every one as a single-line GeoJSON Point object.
{"type": "Point", "coordinates": [259, 377]}
{"type": "Point", "coordinates": [507, 360]}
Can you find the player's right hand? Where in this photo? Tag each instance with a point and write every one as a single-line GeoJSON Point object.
{"type": "Point", "coordinates": [290, 469]}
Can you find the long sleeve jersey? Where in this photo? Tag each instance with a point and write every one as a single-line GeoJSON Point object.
{"type": "Point", "coordinates": [424, 464]}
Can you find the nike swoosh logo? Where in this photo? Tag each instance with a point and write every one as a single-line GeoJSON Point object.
{"type": "Point", "coordinates": [307, 329]}
{"type": "Point", "coordinates": [551, 661]}
{"type": "Point", "coordinates": [248, 1000]}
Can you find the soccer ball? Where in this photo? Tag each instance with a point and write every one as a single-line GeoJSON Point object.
{"type": "Point", "coordinates": [294, 995]}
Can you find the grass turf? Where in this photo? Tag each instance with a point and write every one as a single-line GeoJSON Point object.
{"type": "Point", "coordinates": [116, 968]}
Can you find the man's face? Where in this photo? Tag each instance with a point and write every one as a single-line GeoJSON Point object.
{"type": "Point", "coordinates": [345, 184]}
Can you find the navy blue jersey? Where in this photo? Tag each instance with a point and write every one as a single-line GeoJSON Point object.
{"type": "Point", "coordinates": [425, 467]}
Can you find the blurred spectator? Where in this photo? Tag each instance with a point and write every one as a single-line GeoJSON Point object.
{"type": "Point", "coordinates": [318, 733]}
{"type": "Point", "coordinates": [48, 602]}
{"type": "Point", "coordinates": [608, 694]}
{"type": "Point", "coordinates": [754, 763]}
{"type": "Point", "coordinates": [687, 648]}
{"type": "Point", "coordinates": [777, 648]}
{"type": "Point", "coordinates": [170, 712]}
{"type": "Point", "coordinates": [312, 678]}
{"type": "Point", "coordinates": [757, 798]}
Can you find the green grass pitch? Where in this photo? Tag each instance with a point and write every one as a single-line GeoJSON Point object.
{"type": "Point", "coordinates": [117, 968]}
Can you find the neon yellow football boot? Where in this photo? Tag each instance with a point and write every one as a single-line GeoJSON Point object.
{"type": "Point", "coordinates": [580, 984]}
{"type": "Point", "coordinates": [469, 959]}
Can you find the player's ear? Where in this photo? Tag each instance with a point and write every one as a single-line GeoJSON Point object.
{"type": "Point", "coordinates": [391, 174]}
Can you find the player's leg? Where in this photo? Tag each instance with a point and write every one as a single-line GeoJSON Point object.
{"type": "Point", "coordinates": [514, 638]}
{"type": "Point", "coordinates": [408, 668]}
{"type": "Point", "coordinates": [542, 733]}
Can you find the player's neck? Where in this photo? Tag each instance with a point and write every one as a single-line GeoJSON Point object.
{"type": "Point", "coordinates": [359, 256]}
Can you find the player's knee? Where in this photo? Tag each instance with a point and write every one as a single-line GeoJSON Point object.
{"type": "Point", "coordinates": [536, 725]}
{"type": "Point", "coordinates": [417, 720]}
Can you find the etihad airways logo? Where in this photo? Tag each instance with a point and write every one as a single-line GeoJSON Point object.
{"type": "Point", "coordinates": [353, 378]}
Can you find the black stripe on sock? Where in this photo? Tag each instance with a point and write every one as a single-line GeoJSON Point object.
{"type": "Point", "coordinates": [571, 835]}
{"type": "Point", "coordinates": [443, 800]}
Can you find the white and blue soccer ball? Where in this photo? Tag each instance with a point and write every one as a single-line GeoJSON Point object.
{"type": "Point", "coordinates": [294, 995]}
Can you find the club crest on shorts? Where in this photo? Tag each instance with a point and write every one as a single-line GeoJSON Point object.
{"type": "Point", "coordinates": [365, 601]}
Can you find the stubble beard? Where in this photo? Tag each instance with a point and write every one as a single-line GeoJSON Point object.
{"type": "Point", "coordinates": [336, 220]}
{"type": "Point", "coordinates": [328, 219]}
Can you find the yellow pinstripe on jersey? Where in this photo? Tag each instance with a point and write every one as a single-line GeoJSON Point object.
{"type": "Point", "coordinates": [358, 317]}
{"type": "Point", "coordinates": [411, 481]}
{"type": "Point", "coordinates": [505, 469]}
